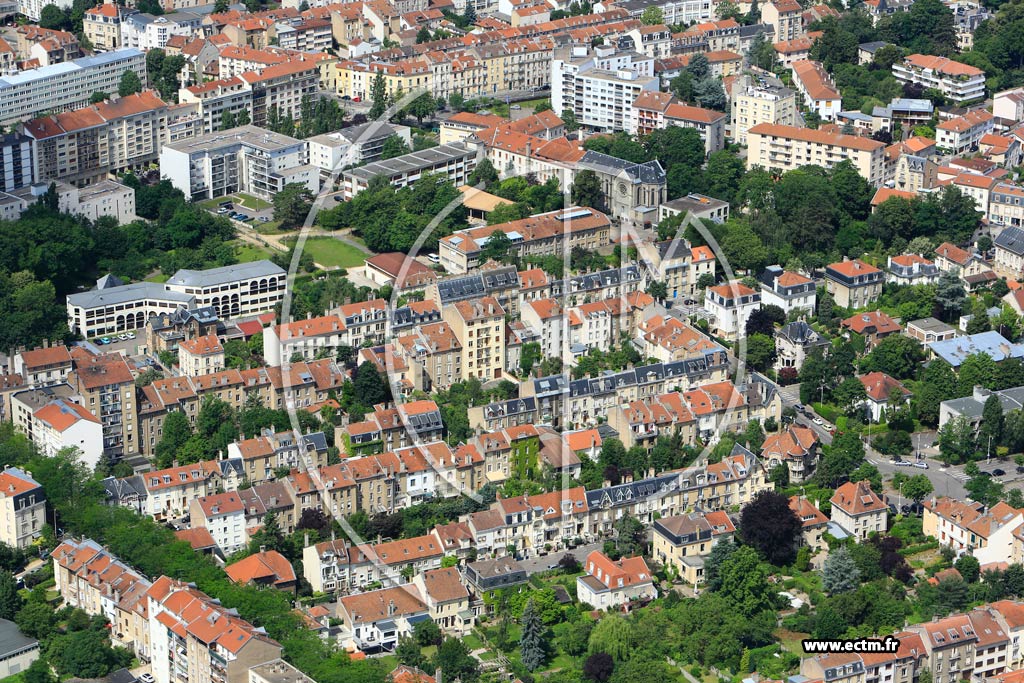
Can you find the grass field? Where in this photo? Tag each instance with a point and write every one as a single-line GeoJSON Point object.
{"type": "Point", "coordinates": [332, 253]}
{"type": "Point", "coordinates": [248, 253]}
{"type": "Point", "coordinates": [159, 277]}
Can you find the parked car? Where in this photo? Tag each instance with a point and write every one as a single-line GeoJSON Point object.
{"type": "Point", "coordinates": [998, 473]}
{"type": "Point", "coordinates": [131, 335]}
{"type": "Point", "coordinates": [818, 421]}
{"type": "Point", "coordinates": [223, 210]}
{"type": "Point", "coordinates": [1020, 470]}
{"type": "Point", "coordinates": [515, 107]}
{"type": "Point", "coordinates": [984, 474]}
{"type": "Point", "coordinates": [147, 678]}
{"type": "Point", "coordinates": [921, 465]}
{"type": "Point", "coordinates": [106, 340]}
{"type": "Point", "coordinates": [226, 205]}
{"type": "Point", "coordinates": [263, 219]}
{"type": "Point", "coordinates": [241, 217]}
{"type": "Point", "coordinates": [339, 198]}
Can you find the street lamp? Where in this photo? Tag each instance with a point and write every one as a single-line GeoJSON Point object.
{"type": "Point", "coordinates": [899, 504]}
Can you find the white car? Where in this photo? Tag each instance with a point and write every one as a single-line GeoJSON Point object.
{"type": "Point", "coordinates": [818, 421]}
{"type": "Point", "coordinates": [147, 678]}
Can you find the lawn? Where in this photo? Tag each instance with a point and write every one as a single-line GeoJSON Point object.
{"type": "Point", "coordinates": [248, 253]}
{"type": "Point", "coordinates": [269, 228]}
{"type": "Point", "coordinates": [159, 277]}
{"type": "Point", "coordinates": [792, 641]}
{"type": "Point", "coordinates": [250, 202]}
{"type": "Point", "coordinates": [331, 253]}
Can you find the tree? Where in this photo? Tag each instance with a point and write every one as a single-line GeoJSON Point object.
{"type": "Point", "coordinates": [98, 97]}
{"type": "Point", "coordinates": [52, 17]}
{"type": "Point", "coordinates": [761, 352]}
{"type": "Point", "coordinates": [531, 640]}
{"type": "Point", "coordinates": [394, 146]}
{"type": "Point", "coordinates": [969, 568]}
{"type": "Point", "coordinates": [720, 552]}
{"type": "Point", "coordinates": [710, 94]}
{"type": "Point", "coordinates": [569, 119]}
{"type": "Point", "coordinates": [36, 619]}
{"type": "Point", "coordinates": [39, 670]}
{"type": "Point", "coordinates": [850, 394]}
{"type": "Point", "coordinates": [10, 600]}
{"type": "Point", "coordinates": [629, 536]}
{"type": "Point", "coordinates": [917, 487]}
{"type": "Point", "coordinates": [586, 190]}
{"type": "Point", "coordinates": [840, 573]}
{"type": "Point", "coordinates": [992, 423]}
{"type": "Point", "coordinates": [598, 667]}
{"type": "Point", "coordinates": [452, 657]}
{"type": "Point", "coordinates": [379, 96]}
{"type": "Point", "coordinates": [176, 431]}
{"type": "Point", "coordinates": [423, 35]}
{"type": "Point", "coordinates": [484, 174]}
{"type": "Point", "coordinates": [130, 84]}
{"type": "Point", "coordinates": [745, 583]}
{"type": "Point", "coordinates": [840, 459]}
{"type": "Point", "coordinates": [698, 67]}
{"type": "Point", "coordinates": [497, 247]}
{"type": "Point", "coordinates": [421, 107]}
{"type": "Point", "coordinates": [897, 356]}
{"type": "Point", "coordinates": [370, 386]}
{"type": "Point", "coordinates": [764, 319]}
{"type": "Point", "coordinates": [949, 295]}
{"type": "Point", "coordinates": [408, 652]}
{"type": "Point", "coordinates": [769, 525]}
{"type": "Point", "coordinates": [652, 16]}
{"type": "Point", "coordinates": [292, 205]}
{"type": "Point", "coordinates": [612, 635]}
{"type": "Point", "coordinates": [682, 86]}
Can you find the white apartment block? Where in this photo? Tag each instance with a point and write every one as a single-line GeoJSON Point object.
{"type": "Point", "coordinates": [957, 82]}
{"type": "Point", "coordinates": [216, 98]}
{"type": "Point", "coordinates": [243, 159]}
{"type": "Point", "coordinates": [730, 306]}
{"type": "Point", "coordinates": [1006, 206]}
{"type": "Point", "coordinates": [1009, 105]}
{"type": "Point", "coordinates": [455, 162]}
{"type": "Point", "coordinates": [819, 92]}
{"type": "Point", "coordinates": [962, 134]}
{"type": "Point", "coordinates": [751, 105]}
{"type": "Point", "coordinates": [52, 419]}
{"type": "Point", "coordinates": [147, 32]}
{"type": "Point", "coordinates": [599, 85]}
{"type": "Point", "coordinates": [67, 85]}
{"type": "Point", "coordinates": [675, 12]}
{"type": "Point", "coordinates": [34, 8]}
{"type": "Point", "coordinates": [789, 147]}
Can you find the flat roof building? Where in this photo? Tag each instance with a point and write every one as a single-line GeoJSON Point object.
{"type": "Point", "coordinates": [455, 162]}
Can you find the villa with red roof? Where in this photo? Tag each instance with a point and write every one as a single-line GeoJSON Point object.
{"type": "Point", "coordinates": [796, 448]}
{"type": "Point", "coordinates": [858, 510]}
{"type": "Point", "coordinates": [612, 584]}
{"type": "Point", "coordinates": [265, 568]}
{"type": "Point", "coordinates": [874, 326]}
{"type": "Point", "coordinates": [882, 392]}
{"type": "Point", "coordinates": [853, 283]}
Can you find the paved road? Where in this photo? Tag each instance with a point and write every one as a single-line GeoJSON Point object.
{"type": "Point", "coordinates": [540, 564]}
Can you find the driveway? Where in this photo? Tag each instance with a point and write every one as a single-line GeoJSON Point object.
{"type": "Point", "coordinates": [542, 564]}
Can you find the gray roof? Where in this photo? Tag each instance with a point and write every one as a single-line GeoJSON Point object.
{"type": "Point", "coordinates": [648, 172]}
{"type": "Point", "coordinates": [364, 132]}
{"type": "Point", "coordinates": [122, 490]}
{"type": "Point", "coordinates": [695, 202]}
{"type": "Point", "coordinates": [996, 346]}
{"type": "Point", "coordinates": [95, 61]}
{"type": "Point", "coordinates": [1012, 240]}
{"type": "Point", "coordinates": [413, 161]}
{"type": "Point", "coordinates": [872, 46]}
{"type": "Point", "coordinates": [799, 332]}
{"type": "Point", "coordinates": [12, 640]}
{"type": "Point", "coordinates": [127, 293]}
{"type": "Point", "coordinates": [259, 138]}
{"type": "Point", "coordinates": [216, 276]}
{"type": "Point", "coordinates": [931, 325]}
{"type": "Point", "coordinates": [972, 408]}
{"type": "Point", "coordinates": [109, 280]}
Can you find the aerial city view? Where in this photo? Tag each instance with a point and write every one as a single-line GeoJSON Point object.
{"type": "Point", "coordinates": [535, 341]}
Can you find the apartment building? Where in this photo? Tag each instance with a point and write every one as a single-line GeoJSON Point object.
{"type": "Point", "coordinates": [681, 12]}
{"type": "Point", "coordinates": [859, 510]}
{"type": "Point", "coordinates": [194, 638]}
{"type": "Point", "coordinates": [786, 17]}
{"type": "Point", "coordinates": [282, 87]}
{"type": "Point", "coordinates": [223, 515]}
{"type": "Point", "coordinates": [962, 134]}
{"type": "Point", "coordinates": [853, 283]}
{"type": "Point", "coordinates": [66, 86]}
{"type": "Point", "coordinates": [375, 620]}
{"type": "Point", "coordinates": [1004, 206]}
{"type": "Point", "coordinates": [753, 104]}
{"type": "Point", "coordinates": [683, 542]}
{"type": "Point", "coordinates": [168, 493]}
{"type": "Point", "coordinates": [88, 577]}
{"type": "Point", "coordinates": [546, 233]}
{"type": "Point", "coordinates": [229, 96]}
{"type": "Point", "coordinates": [107, 387]}
{"type": "Point", "coordinates": [17, 162]}
{"type": "Point", "coordinates": [308, 35]}
{"type": "Point", "coordinates": [788, 147]}
{"type": "Point", "coordinates": [599, 85]}
{"type": "Point", "coordinates": [122, 134]}
{"type": "Point", "coordinates": [819, 91]}
{"type": "Point", "coordinates": [51, 419]}
{"type": "Point", "coordinates": [1009, 252]}
{"type": "Point", "coordinates": [902, 666]}
{"type": "Point", "coordinates": [958, 83]}
{"type": "Point", "coordinates": [102, 26]}
{"type": "Point", "coordinates": [654, 110]}
{"type": "Point", "coordinates": [390, 428]}
{"type": "Point", "coordinates": [788, 290]}
{"type": "Point", "coordinates": [148, 32]}
{"type": "Point", "coordinates": [730, 306]}
{"type": "Point", "coordinates": [970, 527]}
{"type": "Point", "coordinates": [433, 355]}
{"type": "Point", "coordinates": [479, 327]}
{"type": "Point", "coordinates": [201, 356]}
{"type": "Point", "coordinates": [43, 366]}
{"type": "Point", "coordinates": [244, 159]}
{"type": "Point", "coordinates": [354, 145]}
{"type": "Point", "coordinates": [22, 508]}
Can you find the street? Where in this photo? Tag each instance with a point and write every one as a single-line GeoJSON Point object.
{"type": "Point", "coordinates": [945, 481]}
{"type": "Point", "coordinates": [540, 564]}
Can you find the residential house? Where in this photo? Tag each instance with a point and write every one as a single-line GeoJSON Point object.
{"type": "Point", "coordinates": [683, 542]}
{"type": "Point", "coordinates": [853, 283]}
{"type": "Point", "coordinates": [858, 510]}
{"type": "Point", "coordinates": [611, 584]}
